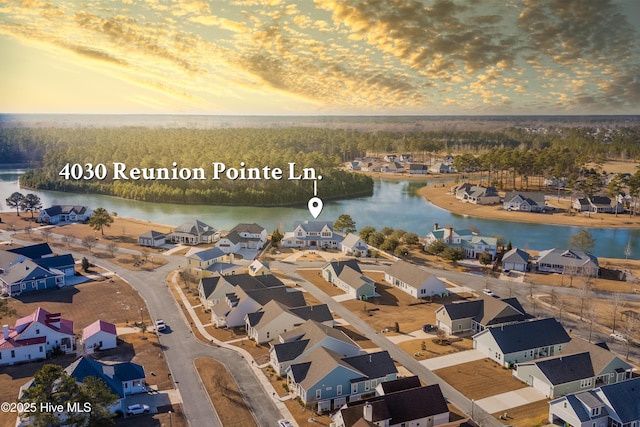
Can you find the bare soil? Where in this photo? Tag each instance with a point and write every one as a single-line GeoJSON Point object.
{"type": "Point", "coordinates": [435, 349]}
{"type": "Point", "coordinates": [532, 414]}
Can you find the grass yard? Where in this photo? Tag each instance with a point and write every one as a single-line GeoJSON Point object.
{"type": "Point", "coordinates": [432, 349]}
{"type": "Point", "coordinates": [224, 394]}
{"type": "Point", "coordinates": [306, 417]}
{"type": "Point", "coordinates": [480, 379]}
{"type": "Point", "coordinates": [314, 276]}
{"type": "Point", "coordinates": [532, 414]}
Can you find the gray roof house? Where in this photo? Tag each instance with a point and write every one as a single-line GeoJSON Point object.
{"type": "Point", "coordinates": [194, 233]}
{"type": "Point", "coordinates": [609, 405]}
{"type": "Point", "coordinates": [354, 245]}
{"type": "Point", "coordinates": [477, 315]}
{"type": "Point", "coordinates": [213, 289]}
{"type": "Point", "coordinates": [243, 236]}
{"type": "Point", "coordinates": [580, 366]}
{"type": "Point", "coordinates": [515, 259]}
{"type": "Point", "coordinates": [312, 234]}
{"type": "Point", "coordinates": [414, 281]}
{"type": "Point", "coordinates": [524, 201]}
{"type": "Point", "coordinates": [208, 261]}
{"type": "Point", "coordinates": [568, 261]}
{"type": "Point", "coordinates": [328, 379]}
{"type": "Point", "coordinates": [519, 342]}
{"type": "Point", "coordinates": [477, 194]}
{"type": "Point", "coordinates": [58, 213]}
{"type": "Point", "coordinates": [347, 276]}
{"type": "Point", "coordinates": [20, 274]}
{"type": "Point", "coordinates": [597, 204]}
{"type": "Point", "coordinates": [152, 239]}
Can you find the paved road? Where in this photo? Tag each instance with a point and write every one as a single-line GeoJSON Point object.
{"type": "Point", "coordinates": [181, 348]}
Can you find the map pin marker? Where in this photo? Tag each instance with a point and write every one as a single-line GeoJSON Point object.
{"type": "Point", "coordinates": [315, 206]}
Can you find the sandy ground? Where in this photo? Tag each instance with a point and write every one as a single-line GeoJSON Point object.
{"type": "Point", "coordinates": [438, 196]}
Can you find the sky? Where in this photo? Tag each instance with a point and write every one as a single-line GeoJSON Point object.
{"type": "Point", "coordinates": [316, 57]}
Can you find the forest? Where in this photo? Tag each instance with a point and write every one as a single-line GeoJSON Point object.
{"type": "Point", "coordinates": [518, 150]}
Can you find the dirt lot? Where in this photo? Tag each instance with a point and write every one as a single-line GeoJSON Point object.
{"type": "Point", "coordinates": [224, 394]}
{"type": "Point", "coordinates": [480, 379]}
{"type": "Point", "coordinates": [434, 349]}
{"type": "Point", "coordinates": [533, 414]}
{"type": "Point", "coordinates": [314, 276]}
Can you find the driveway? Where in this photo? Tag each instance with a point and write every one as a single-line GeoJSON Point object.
{"type": "Point", "coordinates": [452, 359]}
{"type": "Point", "coordinates": [510, 399]}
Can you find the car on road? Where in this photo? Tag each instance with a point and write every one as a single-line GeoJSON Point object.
{"type": "Point", "coordinates": [160, 325]}
{"type": "Point", "coordinates": [284, 423]}
{"type": "Point", "coordinates": [428, 327]}
{"type": "Point", "coordinates": [487, 292]}
{"type": "Point", "coordinates": [618, 337]}
{"type": "Point", "coordinates": [137, 409]}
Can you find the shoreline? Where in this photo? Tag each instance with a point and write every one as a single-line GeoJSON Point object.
{"type": "Point", "coordinates": [438, 197]}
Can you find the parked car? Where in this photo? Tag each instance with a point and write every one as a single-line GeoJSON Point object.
{"type": "Point", "coordinates": [428, 327]}
{"type": "Point", "coordinates": [284, 423]}
{"type": "Point", "coordinates": [487, 292]}
{"type": "Point", "coordinates": [138, 409]}
{"type": "Point", "coordinates": [160, 325]}
{"type": "Point", "coordinates": [618, 337]}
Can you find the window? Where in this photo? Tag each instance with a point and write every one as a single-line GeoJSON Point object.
{"type": "Point", "coordinates": [367, 385]}
{"type": "Point", "coordinates": [13, 353]}
{"type": "Point", "coordinates": [41, 349]}
{"type": "Point", "coordinates": [318, 393]}
{"type": "Point", "coordinates": [595, 411]}
{"type": "Point", "coordinates": [586, 383]}
{"type": "Point", "coordinates": [37, 331]}
{"type": "Point", "coordinates": [268, 334]}
{"type": "Point", "coordinates": [339, 389]}
{"type": "Point", "coordinates": [354, 388]}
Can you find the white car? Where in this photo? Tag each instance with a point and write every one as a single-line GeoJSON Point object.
{"type": "Point", "coordinates": [160, 325]}
{"type": "Point", "coordinates": [487, 292]}
{"type": "Point", "coordinates": [618, 337]}
{"type": "Point", "coordinates": [138, 409]}
{"type": "Point", "coordinates": [284, 423]}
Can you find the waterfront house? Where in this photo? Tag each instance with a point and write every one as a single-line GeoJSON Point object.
{"type": "Point", "coordinates": [327, 379]}
{"type": "Point", "coordinates": [354, 245]}
{"type": "Point", "coordinates": [519, 342]}
{"type": "Point", "coordinates": [447, 235]}
{"type": "Point", "coordinates": [300, 341]}
{"type": "Point", "coordinates": [275, 318]}
{"type": "Point", "coordinates": [606, 406]}
{"type": "Point", "coordinates": [598, 204]}
{"type": "Point", "coordinates": [194, 233]}
{"type": "Point", "coordinates": [524, 201]}
{"type": "Point", "coordinates": [515, 259]}
{"type": "Point", "coordinates": [414, 281]}
{"type": "Point", "coordinates": [477, 194]}
{"type": "Point", "coordinates": [35, 337]}
{"type": "Point", "coordinates": [347, 276]}
{"type": "Point", "coordinates": [153, 239]}
{"type": "Point", "coordinates": [477, 245]}
{"type": "Point", "coordinates": [99, 335]}
{"type": "Point", "coordinates": [57, 214]}
{"type": "Point", "coordinates": [418, 169]}
{"type": "Point", "coordinates": [442, 168]}
{"type": "Point", "coordinates": [569, 261]}
{"type": "Point", "coordinates": [312, 235]}
{"type": "Point", "coordinates": [243, 236]}
{"type": "Point", "coordinates": [580, 366]}
{"type": "Point", "coordinates": [477, 315]}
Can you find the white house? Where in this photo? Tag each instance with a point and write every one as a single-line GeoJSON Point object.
{"type": "Point", "coordinates": [99, 335]}
{"type": "Point", "coordinates": [58, 213]}
{"type": "Point", "coordinates": [204, 261]}
{"type": "Point", "coordinates": [524, 201]}
{"type": "Point", "coordinates": [347, 276]}
{"type": "Point", "coordinates": [447, 235]}
{"type": "Point", "coordinates": [194, 233]}
{"type": "Point", "coordinates": [569, 261]}
{"type": "Point", "coordinates": [414, 281]}
{"type": "Point", "coordinates": [354, 245]}
{"type": "Point", "coordinates": [34, 337]}
{"type": "Point", "coordinates": [312, 235]}
{"type": "Point", "coordinates": [515, 259]}
{"type": "Point", "coordinates": [152, 239]}
{"type": "Point", "coordinates": [243, 236]}
{"type": "Point", "coordinates": [258, 268]}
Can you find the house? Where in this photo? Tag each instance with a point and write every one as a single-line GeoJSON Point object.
{"type": "Point", "coordinates": [524, 201]}
{"type": "Point", "coordinates": [414, 281]}
{"type": "Point", "coordinates": [194, 233]}
{"type": "Point", "coordinates": [392, 167]}
{"type": "Point", "coordinates": [475, 316]}
{"type": "Point", "coordinates": [391, 158]}
{"type": "Point", "coordinates": [598, 204]}
{"type": "Point", "coordinates": [580, 366]}
{"type": "Point", "coordinates": [355, 165]}
{"type": "Point", "coordinates": [447, 235]}
{"type": "Point", "coordinates": [608, 405]}
{"type": "Point", "coordinates": [406, 158]}
{"type": "Point", "coordinates": [569, 261]}
{"type": "Point", "coordinates": [243, 236]}
{"type": "Point", "coordinates": [347, 276]}
{"type": "Point", "coordinates": [19, 274]}
{"type": "Point", "coordinates": [442, 168]}
{"type": "Point", "coordinates": [373, 167]}
{"type": "Point", "coordinates": [448, 160]}
{"type": "Point", "coordinates": [206, 260]}
{"type": "Point", "coordinates": [99, 335]}
{"type": "Point", "coordinates": [153, 239]}
{"type": "Point", "coordinates": [41, 250]}
{"type": "Point", "coordinates": [214, 289]}
{"type": "Point", "coordinates": [35, 337]}
{"type": "Point", "coordinates": [328, 379]}
{"type": "Point", "coordinates": [275, 318]}
{"type": "Point", "coordinates": [515, 259]}
{"type": "Point", "coordinates": [231, 312]}
{"type": "Point", "coordinates": [478, 245]}
{"type": "Point", "coordinates": [297, 343]}
{"type": "Point", "coordinates": [418, 169]}
{"type": "Point", "coordinates": [64, 263]}
{"type": "Point", "coordinates": [354, 245]}
{"type": "Point", "coordinates": [415, 406]}
{"type": "Point", "coordinates": [312, 235]}
{"type": "Point", "coordinates": [518, 342]}
{"type": "Point", "coordinates": [258, 268]}
{"type": "Point", "coordinates": [56, 214]}
{"type": "Point", "coordinates": [477, 194]}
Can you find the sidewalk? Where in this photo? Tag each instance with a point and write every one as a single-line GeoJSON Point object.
{"type": "Point", "coordinates": [257, 372]}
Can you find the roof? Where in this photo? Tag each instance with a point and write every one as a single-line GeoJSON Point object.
{"type": "Point", "coordinates": [33, 251]}
{"type": "Point", "coordinates": [317, 365]}
{"type": "Point", "coordinates": [293, 343]}
{"type": "Point", "coordinates": [516, 256]}
{"type": "Point", "coordinates": [353, 415]}
{"type": "Point", "coordinates": [43, 317]}
{"type": "Point", "coordinates": [195, 227]}
{"type": "Point", "coordinates": [56, 261]}
{"type": "Point", "coordinates": [355, 279]}
{"type": "Point", "coordinates": [56, 210]}
{"type": "Point", "coordinates": [338, 266]}
{"type": "Point", "coordinates": [531, 197]}
{"type": "Point", "coordinates": [624, 398]}
{"type": "Point", "coordinates": [313, 226]}
{"type": "Point", "coordinates": [600, 356]}
{"type": "Point", "coordinates": [152, 234]}
{"type": "Point", "coordinates": [319, 313]}
{"type": "Point", "coordinates": [208, 254]}
{"type": "Point", "coordinates": [98, 326]}
{"type": "Point", "coordinates": [248, 228]}
{"type": "Point", "coordinates": [15, 268]}
{"type": "Point", "coordinates": [408, 273]}
{"type": "Point", "coordinates": [528, 335]}
{"type": "Point", "coordinates": [233, 237]}
{"type": "Point", "coordinates": [568, 257]}
{"type": "Point", "coordinates": [112, 375]}
{"type": "Point", "coordinates": [351, 240]}
{"type": "Point", "coordinates": [373, 365]}
{"type": "Point", "coordinates": [566, 369]}
{"type": "Point", "coordinates": [400, 384]}
{"type": "Point", "coordinates": [208, 285]}
{"type": "Point", "coordinates": [290, 350]}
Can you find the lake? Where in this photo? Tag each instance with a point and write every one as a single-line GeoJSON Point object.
{"type": "Point", "coordinates": [394, 203]}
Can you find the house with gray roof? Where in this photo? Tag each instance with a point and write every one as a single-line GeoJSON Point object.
{"type": "Point", "coordinates": [152, 239]}
{"type": "Point", "coordinates": [354, 245]}
{"type": "Point", "coordinates": [67, 213]}
{"type": "Point", "coordinates": [415, 406]}
{"type": "Point", "coordinates": [347, 276]}
{"type": "Point", "coordinates": [275, 318]}
{"type": "Point", "coordinates": [519, 342]}
{"type": "Point", "coordinates": [598, 204]}
{"type": "Point", "coordinates": [515, 259]}
{"type": "Point", "coordinates": [523, 201]}
{"type": "Point", "coordinates": [475, 316]}
{"type": "Point", "coordinates": [194, 233]}
{"type": "Point", "coordinates": [328, 379]}
{"type": "Point", "coordinates": [243, 236]}
{"type": "Point", "coordinates": [447, 235]}
{"type": "Point", "coordinates": [477, 194]}
{"type": "Point", "coordinates": [298, 342]}
{"type": "Point", "coordinates": [20, 274]}
{"type": "Point", "coordinates": [215, 288]}
{"type": "Point", "coordinates": [580, 366]}
{"type": "Point", "coordinates": [606, 406]}
{"type": "Point", "coordinates": [204, 261]}
{"type": "Point", "coordinates": [567, 261]}
{"type": "Point", "coordinates": [442, 168]}
{"type": "Point", "coordinates": [312, 235]}
{"type": "Point", "coordinates": [418, 169]}
{"type": "Point", "coordinates": [413, 280]}
{"type": "Point", "coordinates": [477, 245]}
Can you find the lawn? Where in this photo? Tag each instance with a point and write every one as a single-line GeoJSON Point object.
{"type": "Point", "coordinates": [480, 379]}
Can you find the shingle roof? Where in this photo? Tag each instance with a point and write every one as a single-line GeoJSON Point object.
{"type": "Point", "coordinates": [338, 266]}
{"type": "Point", "coordinates": [98, 325]}
{"type": "Point", "coordinates": [533, 198]}
{"type": "Point", "coordinates": [568, 257]}
{"type": "Point", "coordinates": [624, 397]}
{"type": "Point", "coordinates": [84, 367]}
{"type": "Point", "coordinates": [372, 365]}
{"type": "Point", "coordinates": [313, 226]}
{"type": "Point", "coordinates": [319, 313]}
{"type": "Point", "coordinates": [565, 369]}
{"type": "Point", "coordinates": [528, 335]}
{"type": "Point", "coordinates": [33, 251]}
{"type": "Point", "coordinates": [56, 261]}
{"type": "Point", "coordinates": [516, 256]}
{"type": "Point", "coordinates": [408, 273]}
{"type": "Point", "coordinates": [600, 356]}
{"type": "Point", "coordinates": [195, 228]}
{"type": "Point", "coordinates": [208, 254]}
{"type": "Point", "coordinates": [248, 228]}
{"type": "Point", "coordinates": [400, 384]}
{"type": "Point", "coordinates": [351, 240]}
{"type": "Point", "coordinates": [152, 234]}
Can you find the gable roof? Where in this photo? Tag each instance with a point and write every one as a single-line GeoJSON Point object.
{"type": "Point", "coordinates": [351, 240]}
{"type": "Point", "coordinates": [98, 326]}
{"type": "Point", "coordinates": [208, 254]}
{"type": "Point", "coordinates": [531, 197]}
{"type": "Point", "coordinates": [112, 375]}
{"type": "Point", "coordinates": [195, 227]}
{"type": "Point", "coordinates": [338, 266]}
{"type": "Point", "coordinates": [600, 356]}
{"type": "Point", "coordinates": [152, 234]}
{"type": "Point", "coordinates": [56, 210]}
{"type": "Point", "coordinates": [319, 313]}
{"type": "Point", "coordinates": [528, 335]}
{"type": "Point", "coordinates": [567, 257]}
{"type": "Point", "coordinates": [373, 365]}
{"type": "Point", "coordinates": [59, 261]}
{"type": "Point", "coordinates": [400, 384]}
{"type": "Point", "coordinates": [313, 226]}
{"type": "Point", "coordinates": [408, 273]}
{"type": "Point", "coordinates": [248, 228]}
{"type": "Point", "coordinates": [516, 256]}
{"type": "Point", "coordinates": [33, 251]}
{"type": "Point", "coordinates": [316, 365]}
{"type": "Point", "coordinates": [624, 398]}
{"type": "Point", "coordinates": [487, 310]}
{"type": "Point", "coordinates": [565, 369]}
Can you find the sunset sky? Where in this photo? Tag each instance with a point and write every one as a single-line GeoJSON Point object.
{"type": "Point", "coordinates": [320, 57]}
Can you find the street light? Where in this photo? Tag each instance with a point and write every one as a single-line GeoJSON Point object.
{"type": "Point", "coordinates": [141, 316]}
{"type": "Point", "coordinates": [170, 420]}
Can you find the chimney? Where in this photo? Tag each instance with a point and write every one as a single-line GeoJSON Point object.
{"type": "Point", "coordinates": [450, 235]}
{"type": "Point", "coordinates": [368, 412]}
{"type": "Point", "coordinates": [435, 226]}
{"type": "Point", "coordinates": [5, 331]}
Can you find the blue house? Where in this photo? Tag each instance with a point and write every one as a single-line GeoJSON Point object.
{"type": "Point", "coordinates": [20, 274]}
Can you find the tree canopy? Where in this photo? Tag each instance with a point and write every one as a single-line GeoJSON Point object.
{"type": "Point", "coordinates": [100, 219]}
{"type": "Point", "coordinates": [15, 200]}
{"type": "Point", "coordinates": [582, 240]}
{"type": "Point", "coordinates": [345, 224]}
